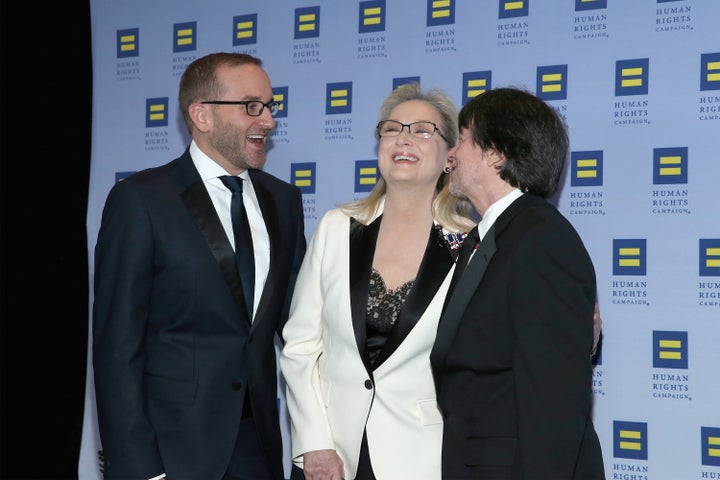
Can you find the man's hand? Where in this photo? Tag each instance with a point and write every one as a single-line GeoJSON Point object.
{"type": "Point", "coordinates": [322, 465]}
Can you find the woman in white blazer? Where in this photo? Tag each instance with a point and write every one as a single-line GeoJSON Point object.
{"type": "Point", "coordinates": [366, 305]}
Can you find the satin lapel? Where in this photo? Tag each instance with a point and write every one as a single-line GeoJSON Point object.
{"type": "Point", "coordinates": [466, 287]}
{"type": "Point", "coordinates": [362, 249]}
{"type": "Point", "coordinates": [201, 208]}
{"type": "Point", "coordinates": [268, 208]}
{"type": "Point", "coordinates": [432, 272]}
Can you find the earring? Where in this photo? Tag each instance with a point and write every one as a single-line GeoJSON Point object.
{"type": "Point", "coordinates": [447, 169]}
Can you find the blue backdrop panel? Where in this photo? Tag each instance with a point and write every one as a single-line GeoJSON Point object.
{"type": "Point", "coordinates": [637, 82]}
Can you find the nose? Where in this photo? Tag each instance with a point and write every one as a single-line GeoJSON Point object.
{"type": "Point", "coordinates": [266, 119]}
{"type": "Point", "coordinates": [404, 136]}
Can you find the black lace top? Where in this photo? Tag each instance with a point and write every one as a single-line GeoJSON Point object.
{"type": "Point", "coordinates": [383, 309]}
{"type": "Point", "coordinates": [383, 305]}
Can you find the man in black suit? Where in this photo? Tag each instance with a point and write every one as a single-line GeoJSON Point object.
{"type": "Point", "coordinates": [511, 360]}
{"type": "Point", "coordinates": [184, 362]}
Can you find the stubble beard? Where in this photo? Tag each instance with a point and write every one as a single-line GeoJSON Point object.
{"type": "Point", "coordinates": [230, 142]}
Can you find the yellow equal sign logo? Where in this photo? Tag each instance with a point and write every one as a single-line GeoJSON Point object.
{"type": "Point", "coordinates": [670, 349]}
{"type": "Point", "coordinates": [307, 22]}
{"type": "Point", "coordinates": [587, 168]}
{"type": "Point", "coordinates": [127, 42]}
{"type": "Point", "coordinates": [631, 77]}
{"type": "Point", "coordinates": [670, 165]}
{"type": "Point", "coordinates": [368, 176]}
{"type": "Point", "coordinates": [440, 8]}
{"type": "Point", "coordinates": [476, 87]}
{"type": "Point", "coordinates": [338, 98]}
{"type": "Point", "coordinates": [372, 16]}
{"type": "Point", "coordinates": [513, 6]}
{"type": "Point", "coordinates": [303, 178]}
{"type": "Point", "coordinates": [629, 257]}
{"type": "Point", "coordinates": [244, 29]}
{"type": "Point", "coordinates": [184, 36]}
{"type": "Point", "coordinates": [551, 82]}
{"type": "Point", "coordinates": [630, 439]}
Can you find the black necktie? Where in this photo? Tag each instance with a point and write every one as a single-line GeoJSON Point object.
{"type": "Point", "coordinates": [243, 239]}
{"type": "Point", "coordinates": [468, 246]}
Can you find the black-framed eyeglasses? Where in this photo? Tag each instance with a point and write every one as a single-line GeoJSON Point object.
{"type": "Point", "coordinates": [422, 129]}
{"type": "Point", "coordinates": [254, 108]}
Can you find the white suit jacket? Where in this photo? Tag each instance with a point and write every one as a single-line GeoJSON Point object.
{"type": "Point", "coordinates": [332, 392]}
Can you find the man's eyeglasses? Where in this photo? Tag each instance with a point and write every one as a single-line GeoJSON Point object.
{"type": "Point", "coordinates": [254, 108]}
{"type": "Point", "coordinates": [424, 130]}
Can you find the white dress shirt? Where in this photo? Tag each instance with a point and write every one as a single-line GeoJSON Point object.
{"type": "Point", "coordinates": [221, 196]}
{"type": "Point", "coordinates": [495, 210]}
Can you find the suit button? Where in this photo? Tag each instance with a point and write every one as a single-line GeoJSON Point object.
{"type": "Point", "coordinates": [237, 385]}
{"type": "Point", "coordinates": [368, 384]}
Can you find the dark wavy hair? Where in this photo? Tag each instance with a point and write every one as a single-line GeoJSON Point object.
{"type": "Point", "coordinates": [530, 134]}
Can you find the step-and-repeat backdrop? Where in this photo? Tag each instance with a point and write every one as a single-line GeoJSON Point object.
{"type": "Point", "coordinates": [637, 81]}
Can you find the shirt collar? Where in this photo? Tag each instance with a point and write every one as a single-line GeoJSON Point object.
{"type": "Point", "coordinates": [495, 210]}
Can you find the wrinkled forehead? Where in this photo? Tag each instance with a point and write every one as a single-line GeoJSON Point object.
{"type": "Point", "coordinates": [415, 111]}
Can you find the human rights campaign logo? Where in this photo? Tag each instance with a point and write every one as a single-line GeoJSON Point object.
{"type": "Point", "coordinates": [372, 16]}
{"type": "Point", "coordinates": [440, 12]}
{"type": "Point", "coordinates": [710, 71]}
{"type": "Point", "coordinates": [303, 176]}
{"type": "Point", "coordinates": [709, 257]}
{"type": "Point", "coordinates": [307, 22]}
{"type": "Point", "coordinates": [475, 83]}
{"type": "Point", "coordinates": [629, 256]}
{"type": "Point", "coordinates": [670, 165]}
{"type": "Point", "coordinates": [586, 168]}
{"type": "Point", "coordinates": [670, 350]}
{"type": "Point", "coordinates": [280, 95]}
{"type": "Point", "coordinates": [400, 81]}
{"type": "Point", "coordinates": [581, 5]}
{"type": "Point", "coordinates": [128, 43]}
{"type": "Point", "coordinates": [244, 29]}
{"type": "Point", "coordinates": [156, 112]}
{"type": "Point", "coordinates": [338, 98]}
{"type": "Point", "coordinates": [710, 445]}
{"type": "Point", "coordinates": [514, 8]}
{"type": "Point", "coordinates": [631, 77]}
{"type": "Point", "coordinates": [630, 440]}
{"type": "Point", "coordinates": [366, 175]}
{"type": "Point", "coordinates": [184, 37]}
{"type": "Point", "coordinates": [552, 82]}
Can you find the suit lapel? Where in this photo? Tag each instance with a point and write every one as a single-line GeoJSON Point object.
{"type": "Point", "coordinates": [460, 298]}
{"type": "Point", "coordinates": [201, 208]}
{"type": "Point", "coordinates": [437, 261]}
{"type": "Point", "coordinates": [363, 239]}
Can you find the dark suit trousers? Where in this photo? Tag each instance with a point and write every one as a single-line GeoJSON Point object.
{"type": "Point", "coordinates": [248, 461]}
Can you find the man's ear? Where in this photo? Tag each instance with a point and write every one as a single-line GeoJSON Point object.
{"type": "Point", "coordinates": [493, 158]}
{"type": "Point", "coordinates": [200, 116]}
